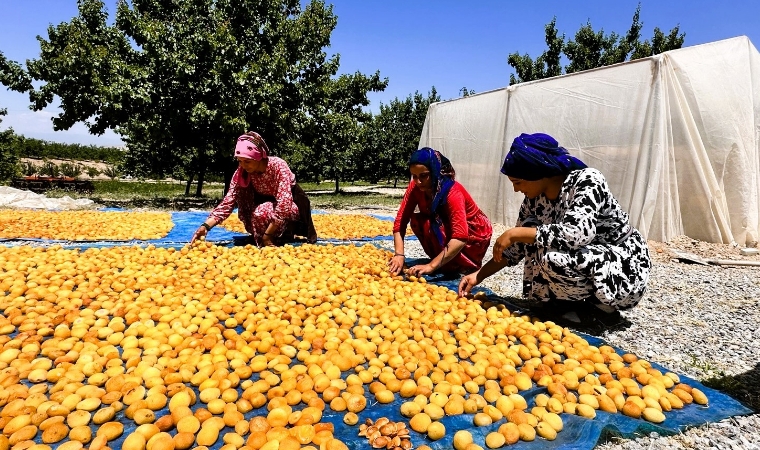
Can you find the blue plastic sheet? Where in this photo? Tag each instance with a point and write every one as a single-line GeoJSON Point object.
{"type": "Point", "coordinates": [578, 433]}
{"type": "Point", "coordinates": [367, 238]}
{"type": "Point", "coordinates": [185, 225]}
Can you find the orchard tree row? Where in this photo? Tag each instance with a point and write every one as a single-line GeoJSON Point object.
{"type": "Point", "coordinates": [179, 81]}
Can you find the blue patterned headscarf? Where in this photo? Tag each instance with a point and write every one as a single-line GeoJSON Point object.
{"type": "Point", "coordinates": [442, 177]}
{"type": "Point", "coordinates": [536, 156]}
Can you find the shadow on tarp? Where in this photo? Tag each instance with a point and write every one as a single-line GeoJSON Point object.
{"type": "Point", "coordinates": [744, 386]}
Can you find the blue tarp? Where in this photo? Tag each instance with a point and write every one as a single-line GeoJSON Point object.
{"type": "Point", "coordinates": [578, 433]}
{"type": "Point", "coordinates": [185, 225]}
{"type": "Point", "coordinates": [365, 239]}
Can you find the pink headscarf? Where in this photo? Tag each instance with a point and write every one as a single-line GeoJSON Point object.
{"type": "Point", "coordinates": [251, 146]}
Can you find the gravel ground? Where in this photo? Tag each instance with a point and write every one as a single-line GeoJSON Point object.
{"type": "Point", "coordinates": [701, 321]}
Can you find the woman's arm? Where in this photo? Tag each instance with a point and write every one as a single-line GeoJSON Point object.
{"type": "Point", "coordinates": [405, 211]}
{"type": "Point", "coordinates": [396, 262]}
{"type": "Point", "coordinates": [578, 227]}
{"type": "Point", "coordinates": [455, 214]}
{"type": "Point", "coordinates": [221, 212]}
{"type": "Point", "coordinates": [470, 281]}
{"type": "Point", "coordinates": [403, 216]}
{"type": "Point", "coordinates": [450, 250]}
{"type": "Point", "coordinates": [525, 235]}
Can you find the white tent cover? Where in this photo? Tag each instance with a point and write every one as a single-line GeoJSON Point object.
{"type": "Point", "coordinates": [18, 198]}
{"type": "Point", "coordinates": [676, 135]}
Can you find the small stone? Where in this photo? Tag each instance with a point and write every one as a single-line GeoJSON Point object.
{"type": "Point", "coordinates": [749, 251]}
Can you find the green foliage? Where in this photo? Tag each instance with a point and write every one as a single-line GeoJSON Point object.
{"type": "Point", "coordinates": [464, 92]}
{"type": "Point", "coordinates": [71, 170]}
{"type": "Point", "coordinates": [92, 172]}
{"type": "Point", "coordinates": [546, 65]}
{"type": "Point", "coordinates": [180, 80]}
{"type": "Point", "coordinates": [112, 172]}
{"type": "Point", "coordinates": [29, 169]}
{"type": "Point", "coordinates": [590, 49]}
{"type": "Point", "coordinates": [38, 148]}
{"type": "Point", "coordinates": [13, 76]}
{"type": "Point", "coordinates": [393, 134]}
{"type": "Point", "coordinates": [50, 169]}
{"type": "Point", "coordinates": [8, 156]}
{"type": "Point", "coordinates": [333, 125]}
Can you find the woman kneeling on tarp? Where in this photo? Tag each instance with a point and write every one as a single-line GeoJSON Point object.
{"type": "Point", "coordinates": [270, 203]}
{"type": "Point", "coordinates": [453, 231]}
{"type": "Point", "coordinates": [577, 242]}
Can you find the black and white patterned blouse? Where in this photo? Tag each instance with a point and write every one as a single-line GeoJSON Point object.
{"type": "Point", "coordinates": [585, 247]}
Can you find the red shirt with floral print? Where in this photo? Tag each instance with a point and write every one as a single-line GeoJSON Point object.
{"type": "Point", "coordinates": [276, 181]}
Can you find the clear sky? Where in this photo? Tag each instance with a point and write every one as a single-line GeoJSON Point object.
{"type": "Point", "coordinates": [415, 44]}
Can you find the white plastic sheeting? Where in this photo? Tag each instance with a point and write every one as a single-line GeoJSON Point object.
{"type": "Point", "coordinates": [17, 198]}
{"type": "Point", "coordinates": [676, 136]}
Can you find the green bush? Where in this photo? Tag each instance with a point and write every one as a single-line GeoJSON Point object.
{"type": "Point", "coordinates": [111, 172]}
{"type": "Point", "coordinates": [9, 167]}
{"type": "Point", "coordinates": [29, 169]}
{"type": "Point", "coordinates": [37, 148]}
{"type": "Point", "coordinates": [71, 170]}
{"type": "Point", "coordinates": [50, 169]}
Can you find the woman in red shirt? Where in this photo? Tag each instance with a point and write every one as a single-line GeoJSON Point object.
{"type": "Point", "coordinates": [453, 231]}
{"type": "Point", "coordinates": [270, 203]}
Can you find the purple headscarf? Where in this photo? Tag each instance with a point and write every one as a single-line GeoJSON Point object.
{"type": "Point", "coordinates": [442, 177]}
{"type": "Point", "coordinates": [536, 156]}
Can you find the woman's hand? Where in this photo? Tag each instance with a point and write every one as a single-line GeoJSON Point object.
{"type": "Point", "coordinates": [396, 264]}
{"type": "Point", "coordinates": [502, 243]}
{"type": "Point", "coordinates": [421, 269]}
{"type": "Point", "coordinates": [468, 282]}
{"type": "Point", "coordinates": [199, 233]}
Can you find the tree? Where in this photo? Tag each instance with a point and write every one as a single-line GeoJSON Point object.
{"type": "Point", "coordinates": [393, 134]}
{"type": "Point", "coordinates": [464, 92]}
{"type": "Point", "coordinates": [335, 122]}
{"type": "Point", "coordinates": [660, 43]}
{"type": "Point", "coordinates": [15, 78]}
{"type": "Point", "coordinates": [8, 154]}
{"type": "Point", "coordinates": [590, 49]}
{"type": "Point", "coordinates": [545, 66]}
{"type": "Point", "coordinates": [180, 80]}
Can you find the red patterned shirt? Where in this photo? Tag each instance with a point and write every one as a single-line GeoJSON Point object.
{"type": "Point", "coordinates": [275, 182]}
{"type": "Point", "coordinates": [462, 218]}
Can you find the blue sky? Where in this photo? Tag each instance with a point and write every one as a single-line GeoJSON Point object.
{"type": "Point", "coordinates": [416, 44]}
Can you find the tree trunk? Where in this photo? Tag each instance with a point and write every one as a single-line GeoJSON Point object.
{"type": "Point", "coordinates": [337, 182]}
{"type": "Point", "coordinates": [229, 171]}
{"type": "Point", "coordinates": [201, 173]}
{"type": "Point", "coordinates": [189, 183]}
{"type": "Point", "coordinates": [395, 181]}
